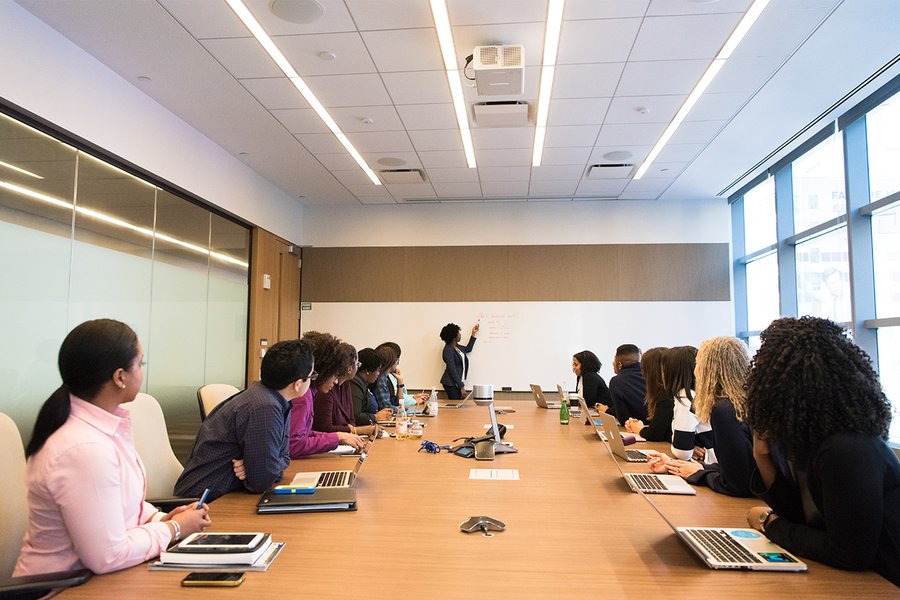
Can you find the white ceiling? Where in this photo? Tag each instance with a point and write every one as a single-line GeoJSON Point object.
{"type": "Point", "coordinates": [625, 67]}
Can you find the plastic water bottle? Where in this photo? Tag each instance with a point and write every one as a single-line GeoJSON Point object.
{"type": "Point", "coordinates": [432, 403]}
{"type": "Point", "coordinates": [402, 423]}
{"type": "Point", "coordinates": [564, 412]}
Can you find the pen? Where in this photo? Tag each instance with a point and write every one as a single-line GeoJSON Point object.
{"type": "Point", "coordinates": [203, 498]}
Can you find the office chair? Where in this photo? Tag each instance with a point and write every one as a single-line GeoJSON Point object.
{"type": "Point", "coordinates": [211, 395]}
{"type": "Point", "coordinates": [14, 520]}
{"type": "Point", "coordinates": [151, 440]}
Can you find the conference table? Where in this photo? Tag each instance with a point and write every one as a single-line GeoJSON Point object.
{"type": "Point", "coordinates": [574, 529]}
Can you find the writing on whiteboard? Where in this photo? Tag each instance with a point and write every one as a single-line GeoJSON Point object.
{"type": "Point", "coordinates": [495, 327]}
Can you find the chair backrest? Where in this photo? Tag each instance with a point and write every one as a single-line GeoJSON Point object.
{"type": "Point", "coordinates": [14, 507]}
{"type": "Point", "coordinates": [151, 440]}
{"type": "Point", "coordinates": [212, 394]}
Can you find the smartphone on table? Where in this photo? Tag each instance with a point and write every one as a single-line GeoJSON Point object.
{"type": "Point", "coordinates": [200, 579]}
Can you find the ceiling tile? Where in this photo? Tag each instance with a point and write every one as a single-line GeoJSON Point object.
{"type": "Point", "coordinates": [427, 116]}
{"type": "Point", "coordinates": [443, 159]}
{"type": "Point", "coordinates": [503, 137]}
{"type": "Point", "coordinates": [571, 136]}
{"type": "Point", "coordinates": [655, 185]}
{"type": "Point", "coordinates": [658, 109]}
{"type": "Point", "coordinates": [668, 170]}
{"type": "Point", "coordinates": [680, 7]}
{"type": "Point", "coordinates": [514, 157]}
{"type": "Point", "coordinates": [479, 12]}
{"type": "Point", "coordinates": [781, 28]}
{"type": "Point", "coordinates": [680, 152]}
{"type": "Point", "coordinates": [638, 153]}
{"type": "Point", "coordinates": [507, 189]}
{"type": "Point", "coordinates": [410, 160]}
{"type": "Point", "coordinates": [418, 87]}
{"type": "Point", "coordinates": [601, 187]}
{"type": "Point", "coordinates": [377, 200]}
{"type": "Point", "coordinates": [615, 134]}
{"type": "Point", "coordinates": [353, 118]}
{"type": "Point", "coordinates": [696, 132]}
{"type": "Point", "coordinates": [608, 9]}
{"type": "Point", "coordinates": [353, 177]}
{"type": "Point", "coordinates": [565, 156]}
{"type": "Point", "coordinates": [577, 111]}
{"type": "Point", "coordinates": [242, 57]}
{"type": "Point", "coordinates": [275, 92]}
{"type": "Point", "coordinates": [596, 41]}
{"type": "Point", "coordinates": [411, 190]}
{"type": "Point", "coordinates": [717, 107]}
{"type": "Point", "coordinates": [348, 90]}
{"type": "Point", "coordinates": [744, 74]}
{"type": "Point", "coordinates": [452, 175]}
{"type": "Point", "coordinates": [555, 188]}
{"type": "Point", "coordinates": [457, 189]}
{"type": "Point", "coordinates": [587, 81]}
{"type": "Point", "coordinates": [338, 161]}
{"type": "Point", "coordinates": [557, 173]}
{"type": "Point", "coordinates": [301, 120]}
{"type": "Point", "coordinates": [683, 37]}
{"type": "Point", "coordinates": [320, 142]}
{"type": "Point", "coordinates": [381, 141]}
{"type": "Point", "coordinates": [302, 51]}
{"type": "Point", "coordinates": [404, 49]}
{"type": "Point", "coordinates": [368, 189]}
{"type": "Point", "coordinates": [504, 173]}
{"type": "Point", "coordinates": [660, 77]}
{"type": "Point", "coordinates": [390, 14]}
{"type": "Point", "coordinates": [204, 23]}
{"type": "Point", "coordinates": [436, 139]}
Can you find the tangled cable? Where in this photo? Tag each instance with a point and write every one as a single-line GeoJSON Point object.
{"type": "Point", "coordinates": [431, 447]}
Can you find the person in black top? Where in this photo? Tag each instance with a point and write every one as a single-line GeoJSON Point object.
{"type": "Point", "coordinates": [626, 388]}
{"type": "Point", "coordinates": [589, 384]}
{"type": "Point", "coordinates": [660, 405]}
{"type": "Point", "coordinates": [820, 421]}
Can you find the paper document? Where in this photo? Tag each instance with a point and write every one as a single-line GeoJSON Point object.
{"type": "Point", "coordinates": [498, 474]}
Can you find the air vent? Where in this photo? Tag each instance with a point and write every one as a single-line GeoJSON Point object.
{"type": "Point", "coordinates": [402, 176]}
{"type": "Point", "coordinates": [610, 171]}
{"type": "Point", "coordinates": [499, 70]}
{"type": "Point", "coordinates": [501, 114]}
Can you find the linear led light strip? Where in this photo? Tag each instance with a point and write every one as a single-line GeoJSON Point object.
{"type": "Point", "coordinates": [243, 13]}
{"type": "Point", "coordinates": [19, 170]}
{"type": "Point", "coordinates": [718, 62]}
{"type": "Point", "coordinates": [118, 222]}
{"type": "Point", "coordinates": [445, 37]}
{"type": "Point", "coordinates": [548, 68]}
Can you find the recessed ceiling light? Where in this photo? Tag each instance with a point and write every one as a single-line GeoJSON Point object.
{"type": "Point", "coordinates": [367, 120]}
{"type": "Point", "coordinates": [243, 153]}
{"type": "Point", "coordinates": [297, 11]}
{"type": "Point", "coordinates": [643, 110]}
{"type": "Point", "coordinates": [144, 78]}
{"type": "Point", "coordinates": [327, 55]}
{"type": "Point", "coordinates": [390, 161]}
{"type": "Point", "coordinates": [618, 155]}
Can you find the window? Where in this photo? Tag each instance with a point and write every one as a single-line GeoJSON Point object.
{"type": "Point", "coordinates": [889, 373]}
{"type": "Point", "coordinates": [762, 292]}
{"type": "Point", "coordinates": [823, 276]}
{"type": "Point", "coordinates": [886, 248]}
{"type": "Point", "coordinates": [818, 183]}
{"type": "Point", "coordinates": [883, 134]}
{"type": "Point", "coordinates": [759, 216]}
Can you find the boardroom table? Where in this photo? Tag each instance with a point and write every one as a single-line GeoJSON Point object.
{"type": "Point", "coordinates": [574, 529]}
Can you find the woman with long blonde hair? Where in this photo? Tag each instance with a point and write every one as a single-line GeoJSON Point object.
{"type": "Point", "coordinates": [719, 407]}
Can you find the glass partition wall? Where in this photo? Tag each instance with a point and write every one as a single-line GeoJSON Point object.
{"type": "Point", "coordinates": [81, 239]}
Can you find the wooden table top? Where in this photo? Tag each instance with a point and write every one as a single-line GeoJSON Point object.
{"type": "Point", "coordinates": [574, 530]}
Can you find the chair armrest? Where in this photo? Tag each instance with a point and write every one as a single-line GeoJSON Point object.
{"type": "Point", "coordinates": [36, 586]}
{"type": "Point", "coordinates": [167, 504]}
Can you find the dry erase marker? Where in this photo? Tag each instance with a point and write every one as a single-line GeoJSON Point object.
{"type": "Point", "coordinates": [203, 498]}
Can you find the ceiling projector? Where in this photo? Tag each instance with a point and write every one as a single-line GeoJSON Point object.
{"type": "Point", "coordinates": [499, 70]}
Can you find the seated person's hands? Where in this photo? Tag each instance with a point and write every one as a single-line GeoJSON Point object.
{"type": "Point", "coordinates": [601, 407]}
{"type": "Point", "coordinates": [683, 468]}
{"type": "Point", "coordinates": [634, 426]}
{"type": "Point", "coordinates": [385, 414]}
{"type": "Point", "coordinates": [421, 398]}
{"type": "Point", "coordinates": [191, 519]}
{"type": "Point", "coordinates": [350, 439]}
{"type": "Point", "coordinates": [699, 453]}
{"type": "Point", "coordinates": [657, 461]}
{"type": "Point", "coordinates": [239, 471]}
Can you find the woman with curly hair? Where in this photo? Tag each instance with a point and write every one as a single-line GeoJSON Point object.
{"type": "Point", "coordinates": [820, 421]}
{"type": "Point", "coordinates": [660, 404]}
{"type": "Point", "coordinates": [720, 397]}
{"type": "Point", "coordinates": [456, 360]}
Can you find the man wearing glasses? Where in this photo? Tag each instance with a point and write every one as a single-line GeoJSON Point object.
{"type": "Point", "coordinates": [243, 443]}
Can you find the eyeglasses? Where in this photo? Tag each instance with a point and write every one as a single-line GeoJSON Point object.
{"type": "Point", "coordinates": [358, 364]}
{"type": "Point", "coordinates": [311, 377]}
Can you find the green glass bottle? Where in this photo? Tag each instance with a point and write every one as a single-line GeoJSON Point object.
{"type": "Point", "coordinates": [564, 412]}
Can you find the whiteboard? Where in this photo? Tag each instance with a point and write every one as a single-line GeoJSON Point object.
{"type": "Point", "coordinates": [520, 342]}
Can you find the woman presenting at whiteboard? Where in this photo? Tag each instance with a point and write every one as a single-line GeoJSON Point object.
{"type": "Point", "coordinates": [456, 360]}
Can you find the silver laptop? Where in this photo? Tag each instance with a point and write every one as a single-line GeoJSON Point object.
{"type": "Point", "coordinates": [733, 548]}
{"type": "Point", "coordinates": [653, 483]}
{"type": "Point", "coordinates": [609, 431]}
{"type": "Point", "coordinates": [329, 479]}
{"type": "Point", "coordinates": [458, 404]}
{"type": "Point", "coordinates": [539, 399]}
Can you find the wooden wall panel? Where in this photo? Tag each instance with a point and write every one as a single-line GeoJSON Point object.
{"type": "Point", "coordinates": [602, 272]}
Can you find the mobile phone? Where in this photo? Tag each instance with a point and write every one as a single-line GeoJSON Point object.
{"type": "Point", "coordinates": [213, 579]}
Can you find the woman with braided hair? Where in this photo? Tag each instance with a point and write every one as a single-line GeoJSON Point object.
{"type": "Point", "coordinates": [820, 421]}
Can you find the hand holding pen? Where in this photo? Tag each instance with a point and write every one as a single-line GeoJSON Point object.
{"type": "Point", "coordinates": [189, 518]}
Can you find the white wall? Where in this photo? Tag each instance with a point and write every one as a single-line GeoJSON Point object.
{"type": "Point", "coordinates": [515, 223]}
{"type": "Point", "coordinates": [48, 75]}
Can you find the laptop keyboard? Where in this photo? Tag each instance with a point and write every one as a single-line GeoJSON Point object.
{"type": "Point", "coordinates": [648, 482]}
{"type": "Point", "coordinates": [721, 546]}
{"type": "Point", "coordinates": [636, 456]}
{"type": "Point", "coordinates": [332, 479]}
